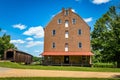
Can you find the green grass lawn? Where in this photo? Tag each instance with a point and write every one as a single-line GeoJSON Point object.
{"type": "Point", "coordinates": [55, 78]}
{"type": "Point", "coordinates": [65, 68]}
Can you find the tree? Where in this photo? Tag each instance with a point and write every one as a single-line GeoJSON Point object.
{"type": "Point", "coordinates": [105, 38]}
{"type": "Point", "coordinates": [5, 44]}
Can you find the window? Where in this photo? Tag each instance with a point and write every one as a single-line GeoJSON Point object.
{"type": "Point", "coordinates": [73, 21]}
{"type": "Point", "coordinates": [66, 34]}
{"type": "Point", "coordinates": [66, 23]}
{"type": "Point", "coordinates": [80, 45]}
{"type": "Point", "coordinates": [53, 32]}
{"type": "Point", "coordinates": [53, 45]}
{"type": "Point", "coordinates": [66, 12]}
{"type": "Point", "coordinates": [59, 21]}
{"type": "Point", "coordinates": [66, 46]}
{"type": "Point", "coordinates": [79, 32]}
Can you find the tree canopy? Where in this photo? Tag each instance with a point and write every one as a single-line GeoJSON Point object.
{"type": "Point", "coordinates": [105, 38]}
{"type": "Point", "coordinates": [5, 44]}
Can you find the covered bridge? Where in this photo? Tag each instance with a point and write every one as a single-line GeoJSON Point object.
{"type": "Point", "coordinates": [17, 56]}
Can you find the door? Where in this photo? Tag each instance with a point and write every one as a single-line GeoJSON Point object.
{"type": "Point", "coordinates": [66, 59]}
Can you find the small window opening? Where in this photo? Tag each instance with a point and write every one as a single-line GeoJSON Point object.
{"type": "Point", "coordinates": [66, 23]}
{"type": "Point", "coordinates": [66, 47]}
{"type": "Point", "coordinates": [53, 32]}
{"type": "Point", "coordinates": [53, 45]}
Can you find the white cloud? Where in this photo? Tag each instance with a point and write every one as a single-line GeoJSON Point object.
{"type": "Point", "coordinates": [34, 43]}
{"type": "Point", "coordinates": [19, 26]}
{"type": "Point", "coordinates": [37, 51]}
{"type": "Point", "coordinates": [19, 41]}
{"type": "Point", "coordinates": [53, 16]}
{"type": "Point", "coordinates": [88, 19]}
{"type": "Point", "coordinates": [29, 39]}
{"type": "Point", "coordinates": [73, 11]}
{"type": "Point", "coordinates": [100, 1]}
{"type": "Point", "coordinates": [36, 32]}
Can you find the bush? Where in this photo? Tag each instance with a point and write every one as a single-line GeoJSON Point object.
{"type": "Point", "coordinates": [104, 65]}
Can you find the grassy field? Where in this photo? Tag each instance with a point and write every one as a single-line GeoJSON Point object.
{"type": "Point", "coordinates": [65, 68]}
{"type": "Point", "coordinates": [55, 78]}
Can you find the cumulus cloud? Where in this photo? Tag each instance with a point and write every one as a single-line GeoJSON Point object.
{"type": "Point", "coordinates": [100, 1]}
{"type": "Point", "coordinates": [37, 51]}
{"type": "Point", "coordinates": [88, 19]}
{"type": "Point", "coordinates": [29, 39]}
{"type": "Point", "coordinates": [73, 11]}
{"type": "Point", "coordinates": [19, 26]}
{"type": "Point", "coordinates": [19, 41]}
{"type": "Point", "coordinates": [36, 32]}
{"type": "Point", "coordinates": [34, 43]}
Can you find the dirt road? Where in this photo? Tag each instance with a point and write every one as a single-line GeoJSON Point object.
{"type": "Point", "coordinates": [8, 72]}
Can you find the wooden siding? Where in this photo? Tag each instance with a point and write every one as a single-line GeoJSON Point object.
{"type": "Point", "coordinates": [17, 56]}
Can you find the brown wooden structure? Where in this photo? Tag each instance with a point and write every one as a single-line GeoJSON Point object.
{"type": "Point", "coordinates": [17, 56]}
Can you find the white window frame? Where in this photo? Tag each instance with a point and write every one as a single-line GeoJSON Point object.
{"type": "Point", "coordinates": [73, 21]}
{"type": "Point", "coordinates": [66, 47]}
{"type": "Point", "coordinates": [66, 23]}
{"type": "Point", "coordinates": [79, 31]}
{"type": "Point", "coordinates": [54, 32]}
{"type": "Point", "coordinates": [66, 12]}
{"type": "Point", "coordinates": [66, 34]}
{"type": "Point", "coordinates": [53, 45]}
{"type": "Point", "coordinates": [79, 45]}
{"type": "Point", "coordinates": [59, 21]}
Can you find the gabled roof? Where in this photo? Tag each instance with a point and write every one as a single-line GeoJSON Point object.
{"type": "Point", "coordinates": [67, 54]}
{"type": "Point", "coordinates": [18, 51]}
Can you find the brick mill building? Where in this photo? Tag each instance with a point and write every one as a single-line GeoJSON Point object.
{"type": "Point", "coordinates": [67, 40]}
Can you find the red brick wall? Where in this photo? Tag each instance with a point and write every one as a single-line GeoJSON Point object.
{"type": "Point", "coordinates": [73, 39]}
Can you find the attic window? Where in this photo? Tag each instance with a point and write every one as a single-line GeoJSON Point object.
{"type": "Point", "coordinates": [66, 12]}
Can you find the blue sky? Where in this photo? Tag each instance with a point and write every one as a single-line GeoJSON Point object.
{"type": "Point", "coordinates": [24, 20]}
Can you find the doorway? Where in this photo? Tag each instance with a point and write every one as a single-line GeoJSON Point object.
{"type": "Point", "coordinates": [9, 55]}
{"type": "Point", "coordinates": [66, 59]}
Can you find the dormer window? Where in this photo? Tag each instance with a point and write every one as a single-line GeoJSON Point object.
{"type": "Point", "coordinates": [59, 21]}
{"type": "Point", "coordinates": [66, 12]}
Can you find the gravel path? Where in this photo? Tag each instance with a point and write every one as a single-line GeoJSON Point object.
{"type": "Point", "coordinates": [4, 69]}
{"type": "Point", "coordinates": [7, 72]}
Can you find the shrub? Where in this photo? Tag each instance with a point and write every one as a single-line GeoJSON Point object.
{"type": "Point", "coordinates": [104, 65]}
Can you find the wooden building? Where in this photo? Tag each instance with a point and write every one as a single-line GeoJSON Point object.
{"type": "Point", "coordinates": [67, 40]}
{"type": "Point", "coordinates": [17, 56]}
